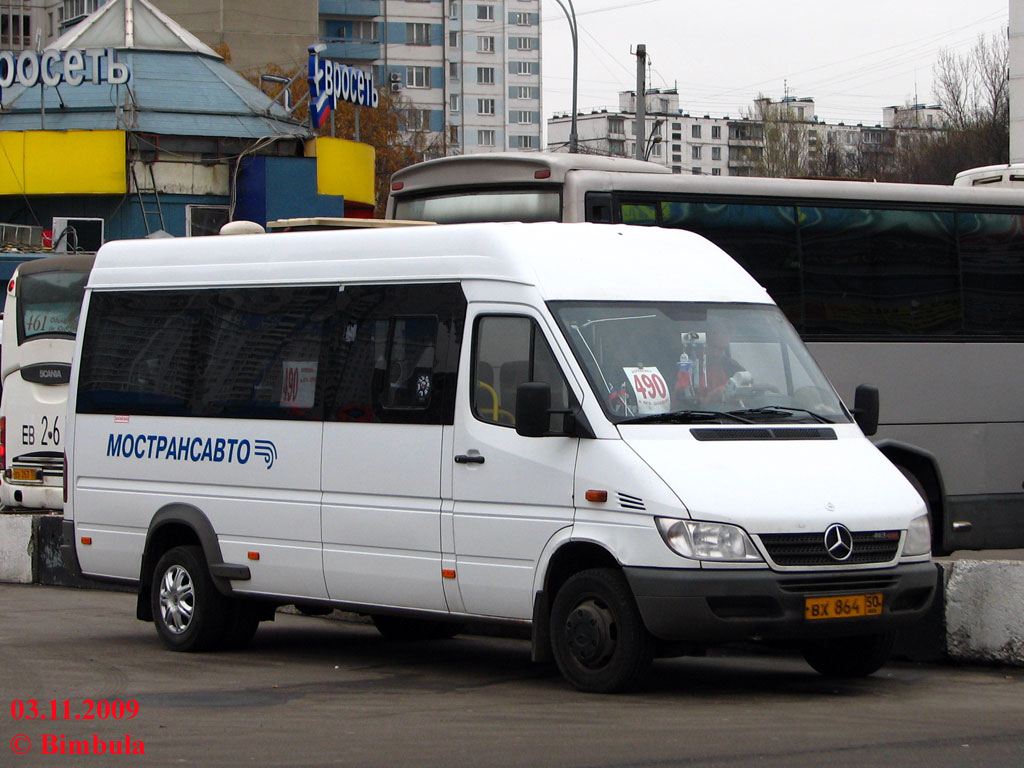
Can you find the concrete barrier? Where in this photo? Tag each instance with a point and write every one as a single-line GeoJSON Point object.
{"type": "Point", "coordinates": [978, 616]}
{"type": "Point", "coordinates": [984, 610]}
{"type": "Point", "coordinates": [17, 548]}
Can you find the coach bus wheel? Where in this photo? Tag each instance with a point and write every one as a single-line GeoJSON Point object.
{"type": "Point", "coordinates": [189, 613]}
{"type": "Point", "coordinates": [598, 638]}
{"type": "Point", "coordinates": [856, 656]}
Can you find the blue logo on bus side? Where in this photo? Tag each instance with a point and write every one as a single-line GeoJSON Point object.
{"type": "Point", "coordinates": [194, 449]}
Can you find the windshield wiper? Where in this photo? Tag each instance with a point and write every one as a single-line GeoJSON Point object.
{"type": "Point", "coordinates": [783, 410]}
{"type": "Point", "coordinates": [685, 417]}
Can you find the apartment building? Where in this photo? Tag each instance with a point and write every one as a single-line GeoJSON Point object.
{"type": "Point", "coordinates": [467, 73]}
{"type": "Point", "coordinates": [680, 141]}
{"type": "Point", "coordinates": [742, 146]}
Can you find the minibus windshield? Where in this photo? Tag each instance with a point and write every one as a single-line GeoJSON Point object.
{"type": "Point", "coordinates": [675, 362]}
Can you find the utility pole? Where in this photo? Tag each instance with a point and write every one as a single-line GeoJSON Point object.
{"type": "Point", "coordinates": [640, 129]}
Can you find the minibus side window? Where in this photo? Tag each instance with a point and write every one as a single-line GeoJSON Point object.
{"type": "Point", "coordinates": [510, 351]}
{"type": "Point", "coordinates": [262, 353]}
{"type": "Point", "coordinates": [410, 364]}
{"type": "Point", "coordinates": [364, 353]}
{"type": "Point", "coordinates": [395, 353]}
{"type": "Point", "coordinates": [140, 353]}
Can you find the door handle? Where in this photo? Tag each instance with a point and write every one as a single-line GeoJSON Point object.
{"type": "Point", "coordinates": [464, 459]}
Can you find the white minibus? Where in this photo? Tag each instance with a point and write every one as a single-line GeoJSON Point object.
{"type": "Point", "coordinates": [493, 422]}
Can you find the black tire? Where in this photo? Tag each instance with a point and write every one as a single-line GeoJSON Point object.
{"type": "Point", "coordinates": [405, 629]}
{"type": "Point", "coordinates": [857, 656]}
{"type": "Point", "coordinates": [598, 637]}
{"type": "Point", "coordinates": [189, 613]}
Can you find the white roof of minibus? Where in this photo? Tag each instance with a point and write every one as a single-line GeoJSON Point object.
{"type": "Point", "coordinates": [563, 261]}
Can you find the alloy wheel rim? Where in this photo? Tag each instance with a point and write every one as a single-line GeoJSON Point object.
{"type": "Point", "coordinates": [177, 599]}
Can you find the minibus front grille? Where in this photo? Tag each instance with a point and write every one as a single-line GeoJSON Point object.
{"type": "Point", "coordinates": [789, 549]}
{"type": "Point", "coordinates": [631, 502]}
{"type": "Point", "coordinates": [763, 433]}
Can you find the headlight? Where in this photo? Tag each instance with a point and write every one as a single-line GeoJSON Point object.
{"type": "Point", "coordinates": [919, 537]}
{"type": "Point", "coordinates": [708, 541]}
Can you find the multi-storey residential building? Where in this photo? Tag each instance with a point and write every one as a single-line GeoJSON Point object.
{"type": "Point", "coordinates": [748, 145]}
{"type": "Point", "coordinates": [680, 141]}
{"type": "Point", "coordinates": [467, 72]}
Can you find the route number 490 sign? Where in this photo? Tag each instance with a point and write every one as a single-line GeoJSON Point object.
{"type": "Point", "coordinates": [650, 389]}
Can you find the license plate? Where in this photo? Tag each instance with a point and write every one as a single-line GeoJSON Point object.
{"type": "Point", "coordinates": [842, 607]}
{"type": "Point", "coordinates": [25, 475]}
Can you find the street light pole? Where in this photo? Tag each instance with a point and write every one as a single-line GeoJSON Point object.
{"type": "Point", "coordinates": [570, 15]}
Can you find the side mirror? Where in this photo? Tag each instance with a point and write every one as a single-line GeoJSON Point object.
{"type": "Point", "coordinates": [865, 408]}
{"type": "Point", "coordinates": [533, 406]}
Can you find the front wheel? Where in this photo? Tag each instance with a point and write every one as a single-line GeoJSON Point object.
{"type": "Point", "coordinates": [189, 613]}
{"type": "Point", "coordinates": [598, 638]}
{"type": "Point", "coordinates": [856, 656]}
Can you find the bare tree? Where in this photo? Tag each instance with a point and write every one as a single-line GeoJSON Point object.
{"type": "Point", "coordinates": [829, 158]}
{"type": "Point", "coordinates": [785, 150]}
{"type": "Point", "coordinates": [973, 88]}
{"type": "Point", "coordinates": [974, 92]}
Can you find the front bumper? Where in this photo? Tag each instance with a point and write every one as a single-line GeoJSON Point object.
{"type": "Point", "coordinates": [714, 606]}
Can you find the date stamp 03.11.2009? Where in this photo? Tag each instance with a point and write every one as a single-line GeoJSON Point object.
{"type": "Point", "coordinates": [49, 715]}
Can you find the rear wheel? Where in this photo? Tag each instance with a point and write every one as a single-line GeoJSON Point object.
{"type": "Point", "coordinates": [598, 638]}
{"type": "Point", "coordinates": [189, 613]}
{"type": "Point", "coordinates": [857, 656]}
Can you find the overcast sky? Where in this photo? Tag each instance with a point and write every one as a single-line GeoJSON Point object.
{"type": "Point", "coordinates": [852, 58]}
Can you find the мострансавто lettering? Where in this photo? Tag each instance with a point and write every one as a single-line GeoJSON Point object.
{"type": "Point", "coordinates": [196, 449]}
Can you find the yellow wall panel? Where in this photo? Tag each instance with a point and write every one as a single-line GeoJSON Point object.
{"type": "Point", "coordinates": [75, 162]}
{"type": "Point", "coordinates": [63, 163]}
{"type": "Point", "coordinates": [343, 168]}
{"type": "Point", "coordinates": [12, 163]}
